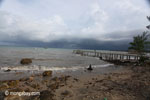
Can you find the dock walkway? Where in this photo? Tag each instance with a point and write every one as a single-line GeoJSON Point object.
{"type": "Point", "coordinates": [109, 55]}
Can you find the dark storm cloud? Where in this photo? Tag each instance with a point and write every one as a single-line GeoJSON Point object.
{"type": "Point", "coordinates": [78, 44]}
{"type": "Point", "coordinates": [1, 1]}
{"type": "Point", "coordinates": [148, 2]}
{"type": "Point", "coordinates": [99, 28]}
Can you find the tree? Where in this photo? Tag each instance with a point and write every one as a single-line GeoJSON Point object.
{"type": "Point", "coordinates": [148, 17]}
{"type": "Point", "coordinates": [140, 43]}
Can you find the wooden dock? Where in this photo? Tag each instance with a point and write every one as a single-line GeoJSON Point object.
{"type": "Point", "coordinates": [109, 55]}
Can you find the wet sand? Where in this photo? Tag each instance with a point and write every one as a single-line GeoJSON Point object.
{"type": "Point", "coordinates": [14, 74]}
{"type": "Point", "coordinates": [122, 83]}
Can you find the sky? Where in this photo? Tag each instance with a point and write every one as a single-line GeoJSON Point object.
{"type": "Point", "coordinates": [50, 20]}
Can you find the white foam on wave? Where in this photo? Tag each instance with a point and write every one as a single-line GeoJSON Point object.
{"type": "Point", "coordinates": [44, 68]}
{"type": "Point", "coordinates": [39, 68]}
{"type": "Point", "coordinates": [104, 65]}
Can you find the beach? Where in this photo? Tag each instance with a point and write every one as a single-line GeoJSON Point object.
{"type": "Point", "coordinates": [107, 81]}
{"type": "Point", "coordinates": [127, 83]}
{"type": "Point", "coordinates": [74, 50]}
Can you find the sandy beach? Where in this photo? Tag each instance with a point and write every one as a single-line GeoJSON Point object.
{"type": "Point", "coordinates": [125, 83]}
{"type": "Point", "coordinates": [74, 49]}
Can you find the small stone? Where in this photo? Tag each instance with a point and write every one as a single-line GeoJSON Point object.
{"type": "Point", "coordinates": [55, 79]}
{"type": "Point", "coordinates": [35, 86]}
{"type": "Point", "coordinates": [13, 83]}
{"type": "Point", "coordinates": [47, 73]}
{"type": "Point", "coordinates": [8, 70]}
{"type": "Point", "coordinates": [18, 73]}
{"type": "Point", "coordinates": [27, 90]}
{"type": "Point", "coordinates": [31, 78]}
{"type": "Point", "coordinates": [66, 93]}
{"type": "Point", "coordinates": [54, 86]}
{"type": "Point", "coordinates": [76, 79]}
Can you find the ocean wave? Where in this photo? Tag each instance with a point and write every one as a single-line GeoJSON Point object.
{"type": "Point", "coordinates": [104, 65]}
{"type": "Point", "coordinates": [44, 68]}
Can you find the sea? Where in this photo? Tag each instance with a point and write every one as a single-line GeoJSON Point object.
{"type": "Point", "coordinates": [57, 60]}
{"type": "Point", "coordinates": [45, 57]}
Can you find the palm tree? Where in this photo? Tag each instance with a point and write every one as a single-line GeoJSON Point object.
{"type": "Point", "coordinates": [140, 43]}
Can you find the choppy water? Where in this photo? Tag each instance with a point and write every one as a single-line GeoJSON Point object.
{"type": "Point", "coordinates": [45, 59]}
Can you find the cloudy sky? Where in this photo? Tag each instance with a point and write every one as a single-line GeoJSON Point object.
{"type": "Point", "coordinates": [49, 20]}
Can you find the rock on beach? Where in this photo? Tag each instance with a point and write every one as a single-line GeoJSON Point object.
{"type": "Point", "coordinates": [26, 61]}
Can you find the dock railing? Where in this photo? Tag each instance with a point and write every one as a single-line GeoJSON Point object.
{"type": "Point", "coordinates": [109, 55]}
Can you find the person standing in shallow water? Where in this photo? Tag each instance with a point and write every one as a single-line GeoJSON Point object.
{"type": "Point", "coordinates": [90, 68]}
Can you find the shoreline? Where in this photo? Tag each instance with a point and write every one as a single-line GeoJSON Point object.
{"type": "Point", "coordinates": [127, 83]}
{"type": "Point", "coordinates": [15, 73]}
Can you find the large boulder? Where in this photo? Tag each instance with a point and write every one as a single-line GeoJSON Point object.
{"type": "Point", "coordinates": [26, 61]}
{"type": "Point", "coordinates": [47, 73]}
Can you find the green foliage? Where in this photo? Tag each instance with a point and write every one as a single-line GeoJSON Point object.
{"type": "Point", "coordinates": [148, 17]}
{"type": "Point", "coordinates": [143, 59]}
{"type": "Point", "coordinates": [140, 43]}
{"type": "Point", "coordinates": [79, 52]}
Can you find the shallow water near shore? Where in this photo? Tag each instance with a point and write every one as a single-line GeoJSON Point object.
{"type": "Point", "coordinates": [57, 60]}
{"type": "Point", "coordinates": [18, 74]}
{"type": "Point", "coordinates": [49, 57]}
